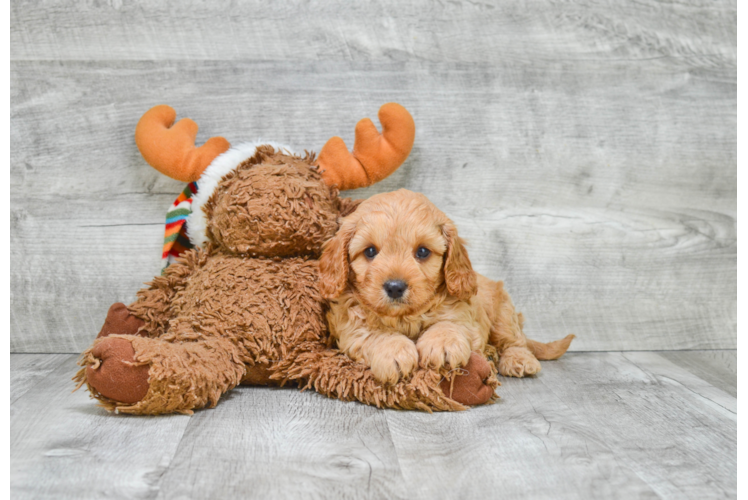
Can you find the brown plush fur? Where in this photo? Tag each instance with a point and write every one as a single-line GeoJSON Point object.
{"type": "Point", "coordinates": [119, 321]}
{"type": "Point", "coordinates": [447, 311]}
{"type": "Point", "coordinates": [248, 309]}
{"type": "Point", "coordinates": [280, 209]}
{"type": "Point", "coordinates": [477, 370]}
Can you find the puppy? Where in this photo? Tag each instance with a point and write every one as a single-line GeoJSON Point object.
{"type": "Point", "coordinates": [403, 293]}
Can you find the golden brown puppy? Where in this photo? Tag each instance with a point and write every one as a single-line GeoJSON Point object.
{"type": "Point", "coordinates": [402, 293]}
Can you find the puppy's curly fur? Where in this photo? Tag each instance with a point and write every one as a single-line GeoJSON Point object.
{"type": "Point", "coordinates": [403, 293]}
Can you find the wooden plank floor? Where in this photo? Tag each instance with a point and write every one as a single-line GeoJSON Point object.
{"type": "Point", "coordinates": [591, 425]}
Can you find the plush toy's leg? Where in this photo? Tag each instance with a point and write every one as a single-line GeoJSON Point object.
{"type": "Point", "coordinates": [473, 384]}
{"type": "Point", "coordinates": [132, 374]}
{"type": "Point", "coordinates": [149, 315]}
{"type": "Point", "coordinates": [153, 305]}
{"type": "Point", "coordinates": [115, 372]}
{"type": "Point", "coordinates": [119, 321]}
{"type": "Point", "coordinates": [260, 374]}
{"type": "Point", "coordinates": [334, 374]}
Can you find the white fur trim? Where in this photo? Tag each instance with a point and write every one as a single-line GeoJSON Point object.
{"type": "Point", "coordinates": [222, 165]}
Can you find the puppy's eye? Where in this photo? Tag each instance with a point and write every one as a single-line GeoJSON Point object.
{"type": "Point", "coordinates": [422, 252]}
{"type": "Point", "coordinates": [370, 252]}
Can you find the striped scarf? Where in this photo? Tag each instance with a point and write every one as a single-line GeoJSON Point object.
{"type": "Point", "coordinates": [176, 240]}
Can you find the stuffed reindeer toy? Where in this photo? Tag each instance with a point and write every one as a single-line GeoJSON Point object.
{"type": "Point", "coordinates": [243, 305]}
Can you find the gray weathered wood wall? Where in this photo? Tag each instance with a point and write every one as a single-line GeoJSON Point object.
{"type": "Point", "coordinates": [587, 150]}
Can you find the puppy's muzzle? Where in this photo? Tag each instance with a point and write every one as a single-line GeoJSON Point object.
{"type": "Point", "coordinates": [395, 288]}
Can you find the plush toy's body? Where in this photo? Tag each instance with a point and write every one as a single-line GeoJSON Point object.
{"type": "Point", "coordinates": [244, 306]}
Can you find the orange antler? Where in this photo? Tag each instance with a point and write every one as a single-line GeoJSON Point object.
{"type": "Point", "coordinates": [171, 150]}
{"type": "Point", "coordinates": [375, 155]}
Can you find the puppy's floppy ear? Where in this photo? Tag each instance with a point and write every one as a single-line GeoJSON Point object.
{"type": "Point", "coordinates": [333, 264]}
{"type": "Point", "coordinates": [459, 276]}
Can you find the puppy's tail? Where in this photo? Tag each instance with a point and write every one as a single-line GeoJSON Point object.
{"type": "Point", "coordinates": [551, 350]}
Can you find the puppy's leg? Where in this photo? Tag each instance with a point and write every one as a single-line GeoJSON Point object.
{"type": "Point", "coordinates": [516, 360]}
{"type": "Point", "coordinates": [444, 343]}
{"type": "Point", "coordinates": [390, 355]}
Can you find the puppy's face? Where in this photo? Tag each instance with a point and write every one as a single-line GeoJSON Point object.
{"type": "Point", "coordinates": [395, 253]}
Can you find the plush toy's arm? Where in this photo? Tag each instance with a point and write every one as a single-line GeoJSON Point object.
{"type": "Point", "coordinates": [332, 373]}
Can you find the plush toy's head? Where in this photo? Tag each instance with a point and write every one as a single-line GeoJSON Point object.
{"type": "Point", "coordinates": [260, 199]}
{"type": "Point", "coordinates": [274, 205]}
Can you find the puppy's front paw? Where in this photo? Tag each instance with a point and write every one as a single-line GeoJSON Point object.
{"type": "Point", "coordinates": [518, 362]}
{"type": "Point", "coordinates": [393, 357]}
{"type": "Point", "coordinates": [443, 344]}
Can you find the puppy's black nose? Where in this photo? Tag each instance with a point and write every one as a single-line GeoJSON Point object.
{"type": "Point", "coordinates": [395, 288]}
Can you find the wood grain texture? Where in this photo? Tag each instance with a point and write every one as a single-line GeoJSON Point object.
{"type": "Point", "coordinates": [628, 278]}
{"type": "Point", "coordinates": [587, 151]}
{"type": "Point", "coordinates": [291, 444]}
{"type": "Point", "coordinates": [603, 192]}
{"type": "Point", "coordinates": [27, 370]}
{"type": "Point", "coordinates": [719, 368]}
{"type": "Point", "coordinates": [682, 445]}
{"type": "Point", "coordinates": [669, 372]}
{"type": "Point", "coordinates": [591, 425]}
{"type": "Point", "coordinates": [63, 446]}
{"type": "Point", "coordinates": [487, 134]}
{"type": "Point", "coordinates": [81, 258]}
{"type": "Point", "coordinates": [536, 31]}
{"type": "Point", "coordinates": [586, 417]}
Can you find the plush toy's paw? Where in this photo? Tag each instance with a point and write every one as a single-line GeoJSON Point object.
{"type": "Point", "coordinates": [518, 362]}
{"type": "Point", "coordinates": [119, 321]}
{"type": "Point", "coordinates": [470, 387]}
{"type": "Point", "coordinates": [392, 357]}
{"type": "Point", "coordinates": [115, 374]}
{"type": "Point", "coordinates": [443, 344]}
